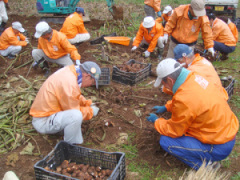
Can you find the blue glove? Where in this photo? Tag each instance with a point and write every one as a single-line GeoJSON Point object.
{"type": "Point", "coordinates": [152, 118]}
{"type": "Point", "coordinates": [159, 13]}
{"type": "Point", "coordinates": [160, 109]}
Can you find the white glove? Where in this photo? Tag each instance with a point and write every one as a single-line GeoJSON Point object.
{"type": "Point", "coordinates": [95, 110]}
{"type": "Point", "coordinates": [211, 50]}
{"type": "Point", "coordinates": [146, 54]}
{"type": "Point", "coordinates": [165, 38]}
{"type": "Point", "coordinates": [78, 62]}
{"type": "Point", "coordinates": [134, 48]}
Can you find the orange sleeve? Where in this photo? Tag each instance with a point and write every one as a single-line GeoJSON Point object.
{"type": "Point", "coordinates": [206, 33]}
{"type": "Point", "coordinates": [159, 20]}
{"type": "Point", "coordinates": [168, 105]}
{"type": "Point", "coordinates": [159, 32]}
{"type": "Point", "coordinates": [139, 36]}
{"type": "Point", "coordinates": [171, 24]}
{"type": "Point", "coordinates": [156, 5]}
{"type": "Point", "coordinates": [13, 40]}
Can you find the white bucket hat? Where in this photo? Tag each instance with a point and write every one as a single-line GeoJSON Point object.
{"type": "Point", "coordinates": [198, 7]}
{"type": "Point", "coordinates": [18, 26]}
{"type": "Point", "coordinates": [41, 28]}
{"type": "Point", "coordinates": [148, 22]}
{"type": "Point", "coordinates": [165, 68]}
{"type": "Point", "coordinates": [167, 9]}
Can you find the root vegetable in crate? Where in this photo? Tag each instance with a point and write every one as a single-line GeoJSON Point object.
{"type": "Point", "coordinates": [131, 72]}
{"type": "Point", "coordinates": [80, 163]}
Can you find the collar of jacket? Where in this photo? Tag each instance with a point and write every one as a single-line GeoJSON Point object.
{"type": "Point", "coordinates": [186, 13]}
{"type": "Point", "coordinates": [181, 79]}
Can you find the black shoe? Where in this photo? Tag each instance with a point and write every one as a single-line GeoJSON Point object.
{"type": "Point", "coordinates": [10, 56]}
{"type": "Point", "coordinates": [36, 63]}
{"type": "Point", "coordinates": [224, 57]}
{"type": "Point", "coordinates": [47, 73]}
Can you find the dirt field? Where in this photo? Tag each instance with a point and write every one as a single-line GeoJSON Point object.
{"type": "Point", "coordinates": [118, 105]}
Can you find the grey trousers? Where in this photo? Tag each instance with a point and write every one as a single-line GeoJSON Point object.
{"type": "Point", "coordinates": [70, 121]}
{"type": "Point", "coordinates": [38, 54]}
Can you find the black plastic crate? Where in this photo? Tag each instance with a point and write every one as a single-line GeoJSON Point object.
{"type": "Point", "coordinates": [64, 151]}
{"type": "Point", "coordinates": [105, 77]}
{"type": "Point", "coordinates": [228, 84]}
{"type": "Point", "coordinates": [131, 78]}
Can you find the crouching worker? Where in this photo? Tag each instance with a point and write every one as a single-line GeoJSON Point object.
{"type": "Point", "coordinates": [59, 104]}
{"type": "Point", "coordinates": [73, 27]}
{"type": "Point", "coordinates": [151, 34]}
{"type": "Point", "coordinates": [54, 47]}
{"type": "Point", "coordinates": [12, 40]}
{"type": "Point", "coordinates": [224, 40]}
{"type": "Point", "coordinates": [202, 125]}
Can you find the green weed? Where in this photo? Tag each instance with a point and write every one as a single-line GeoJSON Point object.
{"type": "Point", "coordinates": [236, 176]}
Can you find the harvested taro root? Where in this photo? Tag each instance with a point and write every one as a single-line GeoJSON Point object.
{"type": "Point", "coordinates": [134, 67]}
{"type": "Point", "coordinates": [81, 171]}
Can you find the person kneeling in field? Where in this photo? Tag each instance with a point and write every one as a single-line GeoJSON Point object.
{"type": "Point", "coordinates": [202, 125]}
{"type": "Point", "coordinates": [54, 47]}
{"type": "Point", "coordinates": [59, 104]}
{"type": "Point", "coordinates": [151, 34]}
{"type": "Point", "coordinates": [12, 40]}
{"type": "Point", "coordinates": [73, 27]}
{"type": "Point", "coordinates": [224, 40]}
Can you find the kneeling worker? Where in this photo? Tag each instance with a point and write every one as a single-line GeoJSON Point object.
{"type": "Point", "coordinates": [202, 125]}
{"type": "Point", "coordinates": [59, 104]}
{"type": "Point", "coordinates": [73, 27]}
{"type": "Point", "coordinates": [12, 40]}
{"type": "Point", "coordinates": [54, 47]}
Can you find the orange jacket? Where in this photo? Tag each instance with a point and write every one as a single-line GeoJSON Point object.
{"type": "Point", "coordinates": [6, 1]}
{"type": "Point", "coordinates": [9, 38]}
{"type": "Point", "coordinates": [199, 110]}
{"type": "Point", "coordinates": [73, 25]}
{"type": "Point", "coordinates": [151, 37]}
{"type": "Point", "coordinates": [155, 4]}
{"type": "Point", "coordinates": [58, 47]}
{"type": "Point", "coordinates": [234, 30]}
{"type": "Point", "coordinates": [202, 66]}
{"type": "Point", "coordinates": [61, 92]}
{"type": "Point", "coordinates": [185, 30]}
{"type": "Point", "coordinates": [222, 33]}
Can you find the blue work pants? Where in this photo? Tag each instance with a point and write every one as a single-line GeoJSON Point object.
{"type": "Point", "coordinates": [193, 152]}
{"type": "Point", "coordinates": [223, 48]}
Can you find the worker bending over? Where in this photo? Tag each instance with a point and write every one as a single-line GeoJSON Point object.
{"type": "Point", "coordinates": [224, 41]}
{"type": "Point", "coordinates": [185, 24]}
{"type": "Point", "coordinates": [59, 104]}
{"type": "Point", "coordinates": [12, 40]}
{"type": "Point", "coordinates": [54, 47]}
{"type": "Point", "coordinates": [202, 125]}
{"type": "Point", "coordinates": [73, 27]}
{"type": "Point", "coordinates": [151, 34]}
{"type": "Point", "coordinates": [195, 63]}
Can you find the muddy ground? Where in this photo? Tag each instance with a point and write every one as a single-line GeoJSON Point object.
{"type": "Point", "coordinates": [118, 105]}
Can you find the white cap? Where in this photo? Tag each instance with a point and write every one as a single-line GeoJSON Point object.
{"type": "Point", "coordinates": [198, 7]}
{"type": "Point", "coordinates": [10, 175]}
{"type": "Point", "coordinates": [165, 68]}
{"type": "Point", "coordinates": [18, 26]}
{"type": "Point", "coordinates": [167, 9]}
{"type": "Point", "coordinates": [41, 28]}
{"type": "Point", "coordinates": [148, 22]}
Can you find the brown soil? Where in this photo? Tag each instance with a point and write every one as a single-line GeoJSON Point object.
{"type": "Point", "coordinates": [117, 102]}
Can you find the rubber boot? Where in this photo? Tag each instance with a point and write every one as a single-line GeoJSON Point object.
{"type": "Point", "coordinates": [46, 68]}
{"type": "Point", "coordinates": [224, 56]}
{"type": "Point", "coordinates": [2, 26]}
{"type": "Point", "coordinates": [160, 53]}
{"type": "Point", "coordinates": [36, 63]}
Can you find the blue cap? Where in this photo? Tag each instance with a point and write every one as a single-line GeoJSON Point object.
{"type": "Point", "coordinates": [80, 10]}
{"type": "Point", "coordinates": [181, 50]}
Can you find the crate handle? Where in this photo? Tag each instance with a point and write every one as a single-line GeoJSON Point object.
{"type": "Point", "coordinates": [49, 155]}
